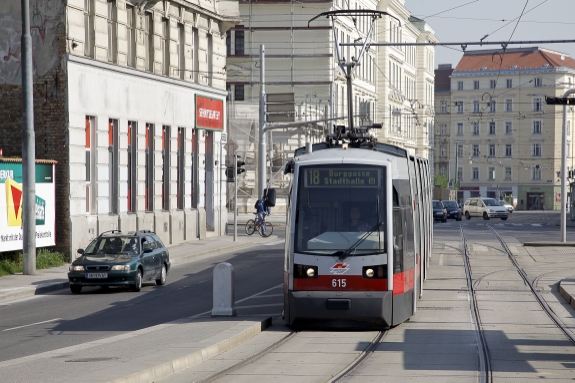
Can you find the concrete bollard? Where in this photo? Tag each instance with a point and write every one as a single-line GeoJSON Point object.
{"type": "Point", "coordinates": [224, 290]}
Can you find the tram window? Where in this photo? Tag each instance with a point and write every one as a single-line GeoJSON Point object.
{"type": "Point", "coordinates": [325, 198]}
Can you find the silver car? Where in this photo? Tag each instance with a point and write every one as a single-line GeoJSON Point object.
{"type": "Point", "coordinates": [507, 205]}
{"type": "Point", "coordinates": [484, 207]}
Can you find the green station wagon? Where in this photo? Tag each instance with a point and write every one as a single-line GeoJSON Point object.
{"type": "Point", "coordinates": [115, 258]}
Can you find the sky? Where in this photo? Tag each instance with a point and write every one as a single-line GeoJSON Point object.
{"type": "Point", "coordinates": [470, 20]}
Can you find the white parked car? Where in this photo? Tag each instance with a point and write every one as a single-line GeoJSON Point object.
{"type": "Point", "coordinates": [484, 207]}
{"type": "Point", "coordinates": [507, 205]}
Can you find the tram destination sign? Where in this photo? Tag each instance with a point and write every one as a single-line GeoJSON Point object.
{"type": "Point", "coordinates": [326, 177]}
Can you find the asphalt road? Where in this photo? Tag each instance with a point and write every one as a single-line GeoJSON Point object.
{"type": "Point", "coordinates": [48, 322]}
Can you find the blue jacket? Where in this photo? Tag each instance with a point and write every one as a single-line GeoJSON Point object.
{"type": "Point", "coordinates": [260, 208]}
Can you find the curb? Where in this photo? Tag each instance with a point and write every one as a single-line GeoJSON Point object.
{"type": "Point", "coordinates": [182, 363]}
{"type": "Point", "coordinates": [563, 287]}
{"type": "Point", "coordinates": [549, 244]}
{"type": "Point", "coordinates": [30, 291]}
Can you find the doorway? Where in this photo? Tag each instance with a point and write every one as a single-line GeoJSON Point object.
{"type": "Point", "coordinates": [535, 201]}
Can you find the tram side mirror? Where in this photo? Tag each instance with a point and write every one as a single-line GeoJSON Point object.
{"type": "Point", "coordinates": [289, 167]}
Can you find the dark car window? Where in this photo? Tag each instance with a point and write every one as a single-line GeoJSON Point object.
{"type": "Point", "coordinates": [449, 204]}
{"type": "Point", "coordinates": [437, 205]}
{"type": "Point", "coordinates": [491, 202]}
{"type": "Point", "coordinates": [158, 241]}
{"type": "Point", "coordinates": [152, 243]}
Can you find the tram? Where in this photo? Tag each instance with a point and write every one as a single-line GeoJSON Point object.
{"type": "Point", "coordinates": [358, 233]}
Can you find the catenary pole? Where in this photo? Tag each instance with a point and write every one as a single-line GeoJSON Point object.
{"type": "Point", "coordinates": [262, 135]}
{"type": "Point", "coordinates": [564, 170]}
{"type": "Point", "coordinates": [28, 148]}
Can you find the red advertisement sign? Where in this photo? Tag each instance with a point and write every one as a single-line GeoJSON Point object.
{"type": "Point", "coordinates": [209, 113]}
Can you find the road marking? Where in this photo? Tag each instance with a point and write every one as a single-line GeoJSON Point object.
{"type": "Point", "coordinates": [441, 259]}
{"type": "Point", "coordinates": [254, 306]}
{"type": "Point", "coordinates": [536, 224]}
{"type": "Point", "coordinates": [275, 243]}
{"type": "Point", "coordinates": [33, 324]}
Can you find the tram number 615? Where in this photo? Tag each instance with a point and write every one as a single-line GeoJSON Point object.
{"type": "Point", "coordinates": [338, 282]}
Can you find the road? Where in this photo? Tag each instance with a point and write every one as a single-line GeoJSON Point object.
{"type": "Point", "coordinates": [48, 322]}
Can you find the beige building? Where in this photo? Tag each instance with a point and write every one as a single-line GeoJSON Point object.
{"type": "Point", "coordinates": [391, 85]}
{"type": "Point", "coordinates": [503, 139]}
{"type": "Point", "coordinates": [129, 98]}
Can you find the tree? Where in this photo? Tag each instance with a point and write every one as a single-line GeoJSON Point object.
{"type": "Point", "coordinates": [440, 180]}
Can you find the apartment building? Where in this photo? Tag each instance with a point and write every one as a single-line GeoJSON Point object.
{"type": "Point", "coordinates": [445, 160]}
{"type": "Point", "coordinates": [129, 99]}
{"type": "Point", "coordinates": [506, 139]}
{"type": "Point", "coordinates": [391, 85]}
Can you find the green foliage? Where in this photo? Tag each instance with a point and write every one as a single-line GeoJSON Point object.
{"type": "Point", "coordinates": [440, 180]}
{"type": "Point", "coordinates": [12, 262]}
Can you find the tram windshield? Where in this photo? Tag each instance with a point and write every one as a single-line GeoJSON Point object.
{"type": "Point", "coordinates": [336, 206]}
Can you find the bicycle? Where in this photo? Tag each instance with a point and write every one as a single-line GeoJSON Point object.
{"type": "Point", "coordinates": [251, 227]}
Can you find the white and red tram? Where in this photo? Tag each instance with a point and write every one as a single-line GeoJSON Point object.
{"type": "Point", "coordinates": [358, 234]}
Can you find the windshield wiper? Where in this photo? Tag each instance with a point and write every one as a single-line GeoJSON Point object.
{"type": "Point", "coordinates": [344, 254]}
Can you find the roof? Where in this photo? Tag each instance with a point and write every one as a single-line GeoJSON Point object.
{"type": "Point", "coordinates": [513, 59]}
{"type": "Point", "coordinates": [442, 80]}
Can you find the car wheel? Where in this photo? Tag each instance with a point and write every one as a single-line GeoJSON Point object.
{"type": "Point", "coordinates": [76, 289]}
{"type": "Point", "coordinates": [162, 280]}
{"type": "Point", "coordinates": [137, 281]}
{"type": "Point", "coordinates": [504, 218]}
{"type": "Point", "coordinates": [467, 216]}
{"type": "Point", "coordinates": [485, 215]}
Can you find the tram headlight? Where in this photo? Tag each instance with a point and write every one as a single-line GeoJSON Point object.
{"type": "Point", "coordinates": [304, 271]}
{"type": "Point", "coordinates": [374, 272]}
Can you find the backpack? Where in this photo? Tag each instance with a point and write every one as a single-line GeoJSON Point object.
{"type": "Point", "coordinates": [256, 204]}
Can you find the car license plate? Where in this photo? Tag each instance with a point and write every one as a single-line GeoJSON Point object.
{"type": "Point", "coordinates": [96, 275]}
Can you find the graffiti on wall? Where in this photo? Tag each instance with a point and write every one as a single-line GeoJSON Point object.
{"type": "Point", "coordinates": [45, 15]}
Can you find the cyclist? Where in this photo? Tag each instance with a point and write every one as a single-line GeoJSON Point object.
{"type": "Point", "coordinates": [261, 211]}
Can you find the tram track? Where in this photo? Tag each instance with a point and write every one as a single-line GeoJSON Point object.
{"type": "Point", "coordinates": [486, 371]}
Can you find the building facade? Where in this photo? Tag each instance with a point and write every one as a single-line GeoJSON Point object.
{"type": "Point", "coordinates": [129, 98]}
{"type": "Point", "coordinates": [507, 140]}
{"type": "Point", "coordinates": [391, 85]}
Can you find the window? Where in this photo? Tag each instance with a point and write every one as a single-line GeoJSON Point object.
{"type": "Point", "coordinates": [475, 173]}
{"type": "Point", "coordinates": [460, 151]}
{"type": "Point", "coordinates": [165, 47]}
{"type": "Point", "coordinates": [475, 128]}
{"type": "Point", "coordinates": [493, 106]}
{"type": "Point", "coordinates": [475, 152]}
{"type": "Point", "coordinates": [113, 165]}
{"type": "Point", "coordinates": [492, 127]}
{"type": "Point", "coordinates": [181, 51]}
{"type": "Point", "coordinates": [460, 128]}
{"type": "Point", "coordinates": [536, 172]}
{"type": "Point", "coordinates": [459, 105]}
{"type": "Point", "coordinates": [443, 151]}
{"type": "Point", "coordinates": [229, 43]}
{"type": "Point", "coordinates": [508, 150]}
{"type": "Point", "coordinates": [509, 105]}
{"type": "Point", "coordinates": [89, 28]}
{"type": "Point", "coordinates": [166, 167]}
{"type": "Point", "coordinates": [443, 107]}
{"type": "Point", "coordinates": [181, 170]}
{"type": "Point", "coordinates": [491, 173]}
{"type": "Point", "coordinates": [509, 83]}
{"type": "Point", "coordinates": [443, 170]}
{"type": "Point", "coordinates": [507, 173]}
{"type": "Point", "coordinates": [492, 84]}
{"type": "Point", "coordinates": [475, 84]}
{"type": "Point", "coordinates": [149, 178]}
{"type": "Point", "coordinates": [538, 82]}
{"type": "Point", "coordinates": [239, 42]}
{"type": "Point", "coordinates": [90, 165]}
{"type": "Point", "coordinates": [476, 106]}
{"type": "Point", "coordinates": [459, 85]}
{"type": "Point", "coordinates": [239, 92]}
{"type": "Point", "coordinates": [491, 150]}
{"type": "Point", "coordinates": [112, 31]}
{"type": "Point", "coordinates": [508, 127]}
{"type": "Point", "coordinates": [459, 174]}
{"type": "Point", "coordinates": [149, 41]}
{"type": "Point", "coordinates": [131, 36]}
{"type": "Point", "coordinates": [443, 129]}
{"type": "Point", "coordinates": [536, 127]}
{"type": "Point", "coordinates": [537, 105]}
{"type": "Point", "coordinates": [536, 150]}
{"type": "Point", "coordinates": [132, 161]}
